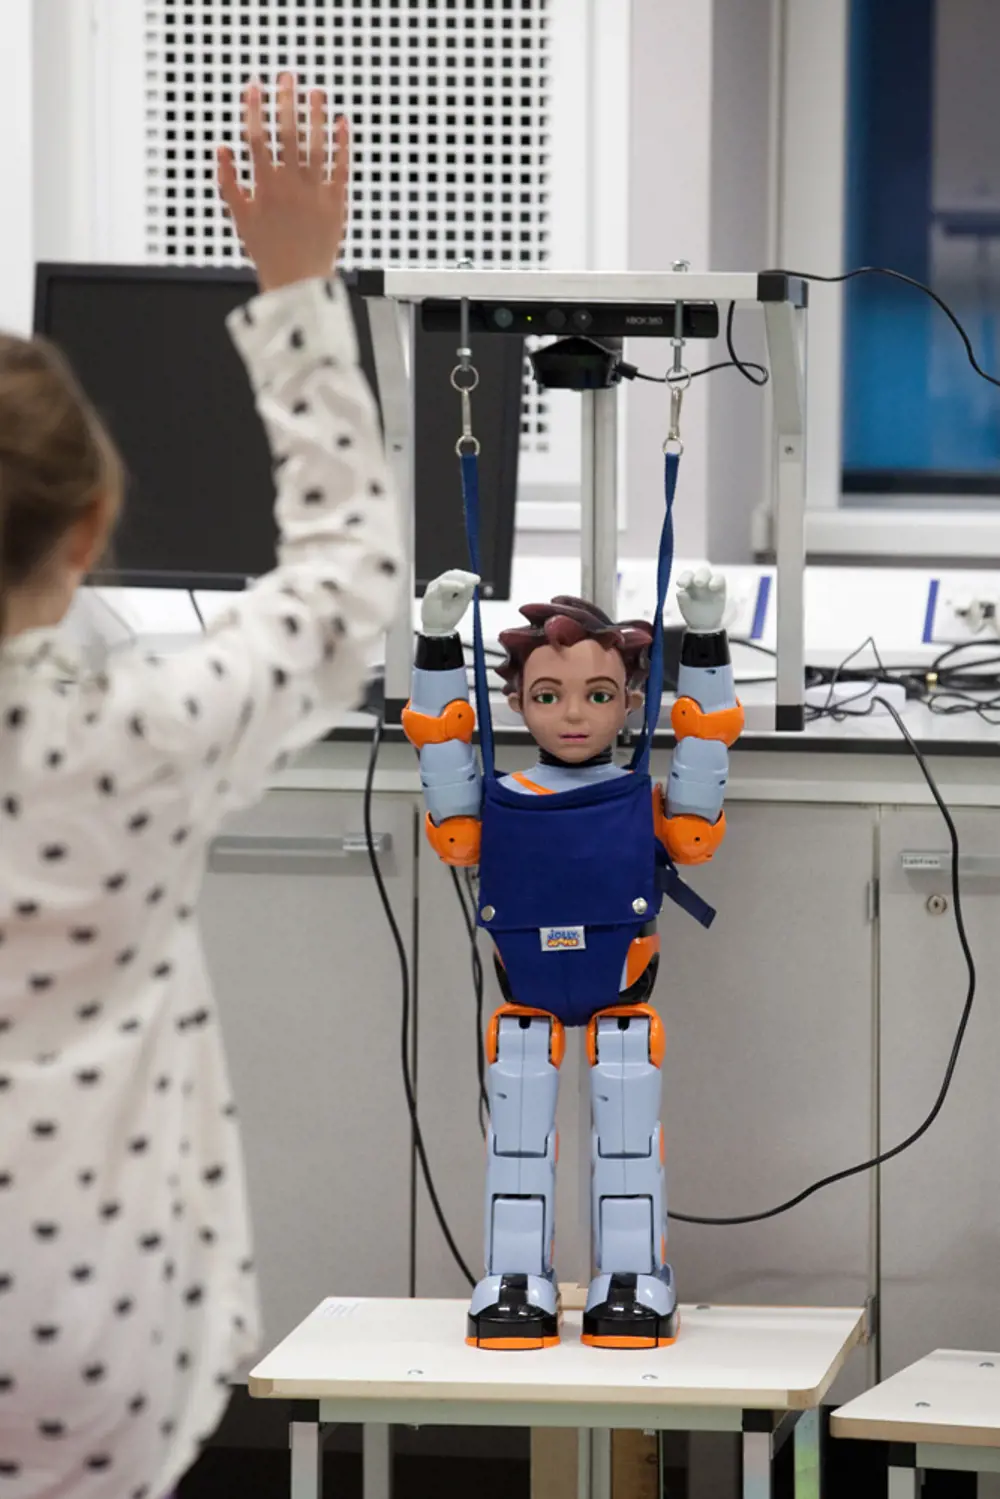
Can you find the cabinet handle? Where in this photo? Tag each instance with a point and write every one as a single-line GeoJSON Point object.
{"type": "Point", "coordinates": [244, 854]}
{"type": "Point", "coordinates": [938, 861]}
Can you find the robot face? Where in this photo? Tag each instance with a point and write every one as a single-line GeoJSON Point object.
{"type": "Point", "coordinates": [574, 699]}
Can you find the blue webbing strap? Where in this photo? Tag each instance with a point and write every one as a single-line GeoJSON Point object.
{"type": "Point", "coordinates": [674, 888]}
{"type": "Point", "coordinates": [654, 689]}
{"type": "Point", "coordinates": [470, 502]}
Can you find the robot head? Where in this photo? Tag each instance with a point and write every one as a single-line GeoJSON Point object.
{"type": "Point", "coordinates": [574, 675]}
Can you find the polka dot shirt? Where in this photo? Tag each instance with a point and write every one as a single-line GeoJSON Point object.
{"type": "Point", "coordinates": [126, 1273]}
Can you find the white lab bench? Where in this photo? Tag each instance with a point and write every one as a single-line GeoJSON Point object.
{"type": "Point", "coordinates": [759, 1372]}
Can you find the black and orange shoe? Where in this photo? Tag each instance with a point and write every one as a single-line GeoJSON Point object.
{"type": "Point", "coordinates": [624, 1319]}
{"type": "Point", "coordinates": [512, 1320]}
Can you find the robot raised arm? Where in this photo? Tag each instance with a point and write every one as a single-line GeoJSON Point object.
{"type": "Point", "coordinates": [707, 719]}
{"type": "Point", "coordinates": [439, 721]}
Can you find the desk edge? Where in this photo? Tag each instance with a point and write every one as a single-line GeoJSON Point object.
{"type": "Point", "coordinates": [919, 1433]}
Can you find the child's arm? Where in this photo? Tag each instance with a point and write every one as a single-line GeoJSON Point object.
{"type": "Point", "coordinates": [439, 721]}
{"type": "Point", "coordinates": [292, 654]}
{"type": "Point", "coordinates": [707, 719]}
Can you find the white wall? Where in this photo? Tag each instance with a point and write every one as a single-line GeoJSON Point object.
{"type": "Point", "coordinates": [740, 209]}
{"type": "Point", "coordinates": [670, 117]}
{"type": "Point", "coordinates": [16, 169]}
{"type": "Point", "coordinates": [700, 160]}
{"type": "Point", "coordinates": [812, 217]}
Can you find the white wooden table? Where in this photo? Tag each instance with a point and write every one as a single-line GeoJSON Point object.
{"type": "Point", "coordinates": [942, 1412]}
{"type": "Point", "coordinates": [760, 1371]}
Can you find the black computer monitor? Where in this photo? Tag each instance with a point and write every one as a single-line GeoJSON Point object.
{"type": "Point", "coordinates": [150, 348]}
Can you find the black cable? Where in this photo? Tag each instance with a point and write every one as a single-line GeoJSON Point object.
{"type": "Point", "coordinates": [763, 374]}
{"type": "Point", "coordinates": [404, 970]}
{"type": "Point", "coordinates": [477, 984]}
{"type": "Point", "coordinates": [753, 645]}
{"type": "Point", "coordinates": [734, 362]}
{"type": "Point", "coordinates": [881, 270]}
{"type": "Point", "coordinates": [921, 1130]}
{"type": "Point", "coordinates": [194, 605]}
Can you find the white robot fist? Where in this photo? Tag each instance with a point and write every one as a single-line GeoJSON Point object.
{"type": "Point", "coordinates": [701, 597]}
{"type": "Point", "coordinates": [446, 600]}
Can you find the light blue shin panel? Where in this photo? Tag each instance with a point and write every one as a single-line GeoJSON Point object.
{"type": "Point", "coordinates": [521, 1155]}
{"type": "Point", "coordinates": [629, 1197]}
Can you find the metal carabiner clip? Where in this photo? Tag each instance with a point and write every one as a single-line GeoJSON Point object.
{"type": "Point", "coordinates": [464, 379]}
{"type": "Point", "coordinates": [678, 379]}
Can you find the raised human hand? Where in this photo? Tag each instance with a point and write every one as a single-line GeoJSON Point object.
{"type": "Point", "coordinates": [292, 221]}
{"type": "Point", "coordinates": [446, 600]}
{"type": "Point", "coordinates": [701, 598]}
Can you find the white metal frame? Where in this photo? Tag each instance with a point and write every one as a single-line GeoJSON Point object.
{"type": "Point", "coordinates": [785, 328]}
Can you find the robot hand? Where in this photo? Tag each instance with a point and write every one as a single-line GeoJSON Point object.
{"type": "Point", "coordinates": [701, 597]}
{"type": "Point", "coordinates": [446, 600]}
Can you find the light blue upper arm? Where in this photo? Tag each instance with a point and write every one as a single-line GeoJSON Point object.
{"type": "Point", "coordinates": [711, 687]}
{"type": "Point", "coordinates": [449, 772]}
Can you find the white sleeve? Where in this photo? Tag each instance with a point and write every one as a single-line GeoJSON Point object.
{"type": "Point", "coordinates": [291, 656]}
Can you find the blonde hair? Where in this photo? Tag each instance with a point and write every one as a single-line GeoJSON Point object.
{"type": "Point", "coordinates": [57, 460]}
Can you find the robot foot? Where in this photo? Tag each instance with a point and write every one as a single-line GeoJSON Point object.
{"type": "Point", "coordinates": [514, 1312]}
{"type": "Point", "coordinates": [632, 1311]}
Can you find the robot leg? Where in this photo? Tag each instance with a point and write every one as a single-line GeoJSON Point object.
{"type": "Point", "coordinates": [632, 1302]}
{"type": "Point", "coordinates": [515, 1305]}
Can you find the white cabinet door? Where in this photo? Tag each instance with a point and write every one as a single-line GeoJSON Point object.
{"type": "Point", "coordinates": [768, 1079]}
{"type": "Point", "coordinates": [308, 986]}
{"type": "Point", "coordinates": [941, 1199]}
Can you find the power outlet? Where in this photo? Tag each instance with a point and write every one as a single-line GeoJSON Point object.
{"type": "Point", "coordinates": [964, 609]}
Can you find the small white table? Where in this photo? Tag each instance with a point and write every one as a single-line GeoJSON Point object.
{"type": "Point", "coordinates": [760, 1371]}
{"type": "Point", "coordinates": [942, 1412]}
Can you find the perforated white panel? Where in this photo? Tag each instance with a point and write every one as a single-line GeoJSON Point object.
{"type": "Point", "coordinates": [448, 102]}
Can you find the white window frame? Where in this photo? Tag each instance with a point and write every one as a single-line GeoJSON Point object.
{"type": "Point", "coordinates": [809, 234]}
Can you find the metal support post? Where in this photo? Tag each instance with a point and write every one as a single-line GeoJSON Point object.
{"type": "Point", "coordinates": [785, 335]}
{"type": "Point", "coordinates": [391, 326]}
{"type": "Point", "coordinates": [599, 499]}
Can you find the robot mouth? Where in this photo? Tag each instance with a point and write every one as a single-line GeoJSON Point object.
{"type": "Point", "coordinates": [573, 738]}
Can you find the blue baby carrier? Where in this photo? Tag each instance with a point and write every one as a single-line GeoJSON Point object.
{"type": "Point", "coordinates": [567, 881]}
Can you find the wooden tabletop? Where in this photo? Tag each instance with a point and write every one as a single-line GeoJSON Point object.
{"type": "Point", "coordinates": [950, 1398]}
{"type": "Point", "coordinates": [765, 1358]}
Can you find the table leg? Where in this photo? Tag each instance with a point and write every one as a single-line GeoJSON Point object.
{"type": "Point", "coordinates": [307, 1460]}
{"type": "Point", "coordinates": [808, 1465]}
{"type": "Point", "coordinates": [600, 1471]}
{"type": "Point", "coordinates": [376, 1462]}
{"type": "Point", "coordinates": [593, 1466]}
{"type": "Point", "coordinates": [757, 1473]}
{"type": "Point", "coordinates": [583, 1464]}
{"type": "Point", "coordinates": [904, 1483]}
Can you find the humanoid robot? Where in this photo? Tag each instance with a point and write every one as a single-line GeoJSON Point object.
{"type": "Point", "coordinates": [570, 901]}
